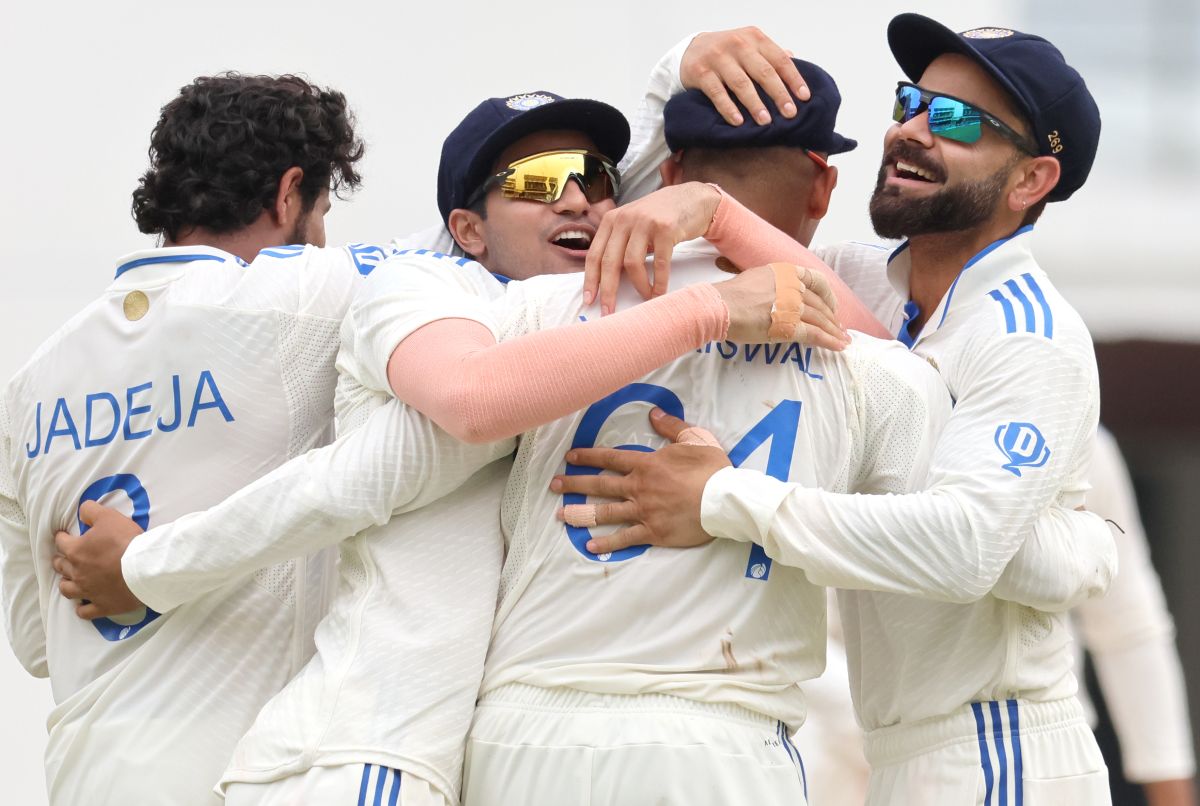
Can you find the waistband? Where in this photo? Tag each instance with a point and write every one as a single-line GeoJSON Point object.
{"type": "Point", "coordinates": [569, 700]}
{"type": "Point", "coordinates": [974, 723]}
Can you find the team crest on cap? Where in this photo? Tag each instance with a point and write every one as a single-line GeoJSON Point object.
{"type": "Point", "coordinates": [530, 100]}
{"type": "Point", "coordinates": [987, 33]}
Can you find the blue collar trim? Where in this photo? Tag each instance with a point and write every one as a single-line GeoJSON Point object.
{"type": "Point", "coordinates": [147, 261]}
{"type": "Point", "coordinates": [984, 252]}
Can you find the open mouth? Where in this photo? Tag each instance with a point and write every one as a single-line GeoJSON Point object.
{"type": "Point", "coordinates": [573, 239]}
{"type": "Point", "coordinates": [906, 170]}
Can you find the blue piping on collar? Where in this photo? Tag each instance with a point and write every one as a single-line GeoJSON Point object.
{"type": "Point", "coordinates": [147, 261]}
{"type": "Point", "coordinates": [978, 257]}
{"type": "Point", "coordinates": [503, 280]}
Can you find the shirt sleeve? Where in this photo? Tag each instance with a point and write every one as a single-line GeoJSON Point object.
{"type": "Point", "coordinates": [395, 462]}
{"type": "Point", "coordinates": [403, 295]}
{"type": "Point", "coordinates": [1025, 417]}
{"type": "Point", "coordinates": [18, 575]}
{"type": "Point", "coordinates": [1131, 637]}
{"type": "Point", "coordinates": [1069, 557]}
{"type": "Point", "coordinates": [648, 141]}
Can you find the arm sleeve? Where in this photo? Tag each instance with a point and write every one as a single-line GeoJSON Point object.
{"type": "Point", "coordinates": [748, 240]}
{"type": "Point", "coordinates": [648, 142]}
{"type": "Point", "coordinates": [1070, 557]}
{"type": "Point", "coordinates": [1131, 637]}
{"type": "Point", "coordinates": [952, 541]}
{"type": "Point", "coordinates": [395, 462]}
{"type": "Point", "coordinates": [454, 371]}
{"type": "Point", "coordinates": [18, 580]}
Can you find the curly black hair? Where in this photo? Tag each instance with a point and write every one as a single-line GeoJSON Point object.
{"type": "Point", "coordinates": [219, 150]}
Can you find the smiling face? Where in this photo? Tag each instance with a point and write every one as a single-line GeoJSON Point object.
{"type": "Point", "coordinates": [930, 184]}
{"type": "Point", "coordinates": [521, 239]}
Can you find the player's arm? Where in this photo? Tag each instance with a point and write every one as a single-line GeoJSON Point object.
{"type": "Point", "coordinates": [18, 574]}
{"type": "Point", "coordinates": [1131, 637]}
{"type": "Point", "coordinates": [435, 346]}
{"type": "Point", "coordinates": [395, 462]}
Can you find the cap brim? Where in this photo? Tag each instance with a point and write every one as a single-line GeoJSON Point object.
{"type": "Point", "coordinates": [604, 124]}
{"type": "Point", "coordinates": [916, 40]}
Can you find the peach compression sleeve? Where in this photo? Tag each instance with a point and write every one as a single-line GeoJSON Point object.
{"type": "Point", "coordinates": [454, 372]}
{"type": "Point", "coordinates": [747, 240]}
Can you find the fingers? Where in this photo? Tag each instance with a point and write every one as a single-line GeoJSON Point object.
{"type": "Point", "coordinates": [70, 590]}
{"type": "Point", "coordinates": [698, 436]}
{"type": "Point", "coordinates": [612, 261]}
{"type": "Point", "coordinates": [63, 566]}
{"type": "Point", "coordinates": [766, 75]}
{"type": "Point", "coordinates": [64, 542]}
{"type": "Point", "coordinates": [667, 425]}
{"type": "Point", "coordinates": [663, 247]}
{"type": "Point", "coordinates": [822, 328]}
{"type": "Point", "coordinates": [592, 265]}
{"type": "Point", "coordinates": [637, 535]}
{"type": "Point", "coordinates": [785, 69]}
{"type": "Point", "coordinates": [588, 515]}
{"type": "Point", "coordinates": [90, 611]}
{"type": "Point", "coordinates": [622, 461]}
{"type": "Point", "coordinates": [713, 87]}
{"type": "Point", "coordinates": [819, 283]}
{"type": "Point", "coordinates": [734, 76]}
{"type": "Point", "coordinates": [593, 486]}
{"type": "Point", "coordinates": [636, 248]}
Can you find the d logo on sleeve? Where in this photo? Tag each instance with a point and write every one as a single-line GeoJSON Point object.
{"type": "Point", "coordinates": [1023, 445]}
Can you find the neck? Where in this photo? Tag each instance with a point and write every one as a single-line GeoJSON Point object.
{"type": "Point", "coordinates": [938, 258]}
{"type": "Point", "coordinates": [246, 242]}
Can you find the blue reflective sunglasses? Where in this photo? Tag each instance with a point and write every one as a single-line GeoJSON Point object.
{"type": "Point", "coordinates": [950, 117]}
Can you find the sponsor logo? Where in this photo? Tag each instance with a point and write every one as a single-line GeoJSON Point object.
{"type": "Point", "coordinates": [1023, 445]}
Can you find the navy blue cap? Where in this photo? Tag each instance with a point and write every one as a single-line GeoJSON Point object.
{"type": "Point", "coordinates": [472, 148]}
{"type": "Point", "coordinates": [1053, 96]}
{"type": "Point", "coordinates": [691, 121]}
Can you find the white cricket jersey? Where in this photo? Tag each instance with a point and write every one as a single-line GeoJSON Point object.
{"type": "Point", "coordinates": [1019, 364]}
{"type": "Point", "coordinates": [400, 655]}
{"type": "Point", "coordinates": [725, 624]}
{"type": "Point", "coordinates": [190, 376]}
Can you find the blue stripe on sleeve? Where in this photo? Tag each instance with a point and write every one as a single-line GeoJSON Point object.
{"type": "Point", "coordinates": [1010, 319]}
{"type": "Point", "coordinates": [1030, 322]}
{"type": "Point", "coordinates": [1041, 298]}
{"type": "Point", "coordinates": [984, 757]}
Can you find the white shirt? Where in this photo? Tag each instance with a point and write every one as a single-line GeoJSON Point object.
{"type": "Point", "coordinates": [719, 623]}
{"type": "Point", "coordinates": [1018, 361]}
{"type": "Point", "coordinates": [190, 376]}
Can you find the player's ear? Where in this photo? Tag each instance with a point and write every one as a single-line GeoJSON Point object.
{"type": "Point", "coordinates": [1037, 177]}
{"type": "Point", "coordinates": [468, 229]}
{"type": "Point", "coordinates": [289, 204]}
{"type": "Point", "coordinates": [822, 191]}
{"type": "Point", "coordinates": [671, 170]}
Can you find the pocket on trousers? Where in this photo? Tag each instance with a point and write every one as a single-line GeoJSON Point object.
{"type": "Point", "coordinates": [1090, 789]}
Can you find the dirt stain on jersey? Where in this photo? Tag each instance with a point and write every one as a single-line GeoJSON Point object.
{"type": "Point", "coordinates": [727, 651]}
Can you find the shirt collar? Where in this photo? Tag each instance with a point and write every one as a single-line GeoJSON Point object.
{"type": "Point", "coordinates": [987, 267]}
{"type": "Point", "coordinates": [167, 262]}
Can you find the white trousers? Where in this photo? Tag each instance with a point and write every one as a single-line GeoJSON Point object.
{"type": "Point", "coordinates": [563, 747]}
{"type": "Point", "coordinates": [345, 784]}
{"type": "Point", "coordinates": [1006, 753]}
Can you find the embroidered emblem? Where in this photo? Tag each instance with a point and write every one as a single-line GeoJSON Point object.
{"type": "Point", "coordinates": [987, 33]}
{"type": "Point", "coordinates": [530, 100]}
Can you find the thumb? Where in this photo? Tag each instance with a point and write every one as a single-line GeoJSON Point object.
{"type": "Point", "coordinates": [89, 511]}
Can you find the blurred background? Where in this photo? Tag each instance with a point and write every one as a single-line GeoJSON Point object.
{"type": "Point", "coordinates": [85, 82]}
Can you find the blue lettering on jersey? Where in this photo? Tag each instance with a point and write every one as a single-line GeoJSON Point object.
{"type": "Point", "coordinates": [136, 422]}
{"type": "Point", "coordinates": [1023, 445]}
{"type": "Point", "coordinates": [779, 353]}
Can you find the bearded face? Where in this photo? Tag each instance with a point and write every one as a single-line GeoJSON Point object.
{"type": "Point", "coordinates": [953, 207]}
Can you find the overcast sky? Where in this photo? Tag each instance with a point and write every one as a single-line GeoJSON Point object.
{"type": "Point", "coordinates": [85, 81]}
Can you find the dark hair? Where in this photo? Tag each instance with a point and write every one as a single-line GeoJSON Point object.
{"type": "Point", "coordinates": [219, 150]}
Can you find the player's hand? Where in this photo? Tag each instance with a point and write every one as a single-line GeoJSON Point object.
{"type": "Point", "coordinates": [1179, 792]}
{"type": "Point", "coordinates": [782, 302]}
{"type": "Point", "coordinates": [650, 225]}
{"type": "Point", "coordinates": [659, 493]}
{"type": "Point", "coordinates": [738, 60]}
{"type": "Point", "coordinates": [90, 565]}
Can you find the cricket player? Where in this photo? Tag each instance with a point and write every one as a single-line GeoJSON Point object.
{"type": "Point", "coordinates": [972, 702]}
{"type": "Point", "coordinates": [204, 363]}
